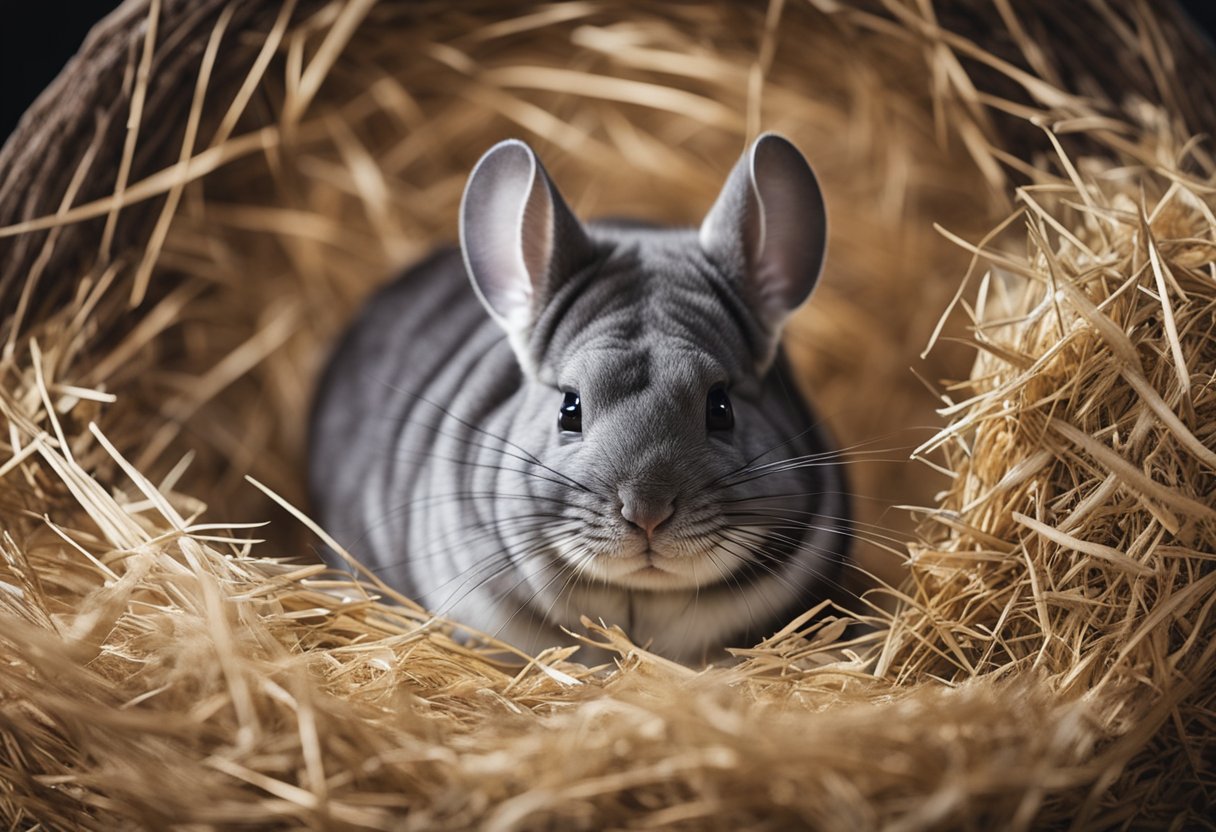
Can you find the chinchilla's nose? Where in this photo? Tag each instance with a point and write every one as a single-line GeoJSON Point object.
{"type": "Point", "coordinates": [646, 510]}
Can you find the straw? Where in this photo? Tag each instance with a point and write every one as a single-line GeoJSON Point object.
{"type": "Point", "coordinates": [1023, 187]}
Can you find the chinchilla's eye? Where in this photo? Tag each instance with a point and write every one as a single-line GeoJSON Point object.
{"type": "Point", "coordinates": [718, 412]}
{"type": "Point", "coordinates": [571, 416]}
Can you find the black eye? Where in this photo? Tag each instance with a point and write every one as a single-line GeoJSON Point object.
{"type": "Point", "coordinates": [571, 415]}
{"type": "Point", "coordinates": [718, 412]}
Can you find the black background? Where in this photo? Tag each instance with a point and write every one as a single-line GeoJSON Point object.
{"type": "Point", "coordinates": [38, 36]}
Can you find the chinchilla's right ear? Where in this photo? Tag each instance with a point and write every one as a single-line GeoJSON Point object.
{"type": "Point", "coordinates": [518, 237]}
{"type": "Point", "coordinates": [769, 227]}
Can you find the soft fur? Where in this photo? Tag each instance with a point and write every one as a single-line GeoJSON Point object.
{"type": "Point", "coordinates": [436, 453]}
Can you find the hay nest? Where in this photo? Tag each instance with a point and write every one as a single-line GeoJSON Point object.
{"type": "Point", "coordinates": [195, 207]}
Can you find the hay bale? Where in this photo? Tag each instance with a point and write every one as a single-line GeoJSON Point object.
{"type": "Point", "coordinates": [195, 208]}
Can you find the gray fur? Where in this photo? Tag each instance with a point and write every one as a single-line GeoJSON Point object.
{"type": "Point", "coordinates": [436, 456]}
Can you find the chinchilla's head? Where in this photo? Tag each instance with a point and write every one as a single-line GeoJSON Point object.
{"type": "Point", "coordinates": [651, 425]}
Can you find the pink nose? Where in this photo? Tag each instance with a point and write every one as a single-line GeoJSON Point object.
{"type": "Point", "coordinates": [647, 515]}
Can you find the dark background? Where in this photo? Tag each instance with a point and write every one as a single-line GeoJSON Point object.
{"type": "Point", "coordinates": [38, 36]}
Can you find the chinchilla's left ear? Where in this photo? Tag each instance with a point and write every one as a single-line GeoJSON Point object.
{"type": "Point", "coordinates": [769, 226]}
{"type": "Point", "coordinates": [520, 240]}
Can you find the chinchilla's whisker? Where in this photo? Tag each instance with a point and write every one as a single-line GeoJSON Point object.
{"type": "Point", "coordinates": [773, 501]}
{"type": "Point", "coordinates": [696, 601]}
{"type": "Point", "coordinates": [584, 556]}
{"type": "Point", "coordinates": [504, 555]}
{"type": "Point", "coordinates": [511, 560]}
{"type": "Point", "coordinates": [785, 467]}
{"type": "Point", "coordinates": [463, 440]}
{"type": "Point", "coordinates": [878, 541]}
{"type": "Point", "coordinates": [791, 495]}
{"type": "Point", "coordinates": [568, 566]}
{"type": "Point", "coordinates": [762, 557]}
{"type": "Point", "coordinates": [844, 526]}
{"type": "Point", "coordinates": [879, 537]}
{"type": "Point", "coordinates": [770, 553]}
{"type": "Point", "coordinates": [845, 520]}
{"type": "Point", "coordinates": [456, 497]}
{"type": "Point", "coordinates": [389, 515]}
{"type": "Point", "coordinates": [796, 464]}
{"type": "Point", "coordinates": [759, 538]}
{"type": "Point", "coordinates": [496, 564]}
{"type": "Point", "coordinates": [728, 576]}
{"type": "Point", "coordinates": [884, 542]}
{"type": "Point", "coordinates": [817, 425]}
{"type": "Point", "coordinates": [498, 560]}
{"type": "Point", "coordinates": [826, 457]}
{"type": "Point", "coordinates": [725, 573]}
{"type": "Point", "coordinates": [525, 524]}
{"type": "Point", "coordinates": [848, 449]}
{"type": "Point", "coordinates": [831, 453]}
{"type": "Point", "coordinates": [818, 574]}
{"type": "Point", "coordinates": [760, 553]}
{"type": "Point", "coordinates": [487, 465]}
{"type": "Point", "coordinates": [500, 527]}
{"type": "Point", "coordinates": [530, 456]}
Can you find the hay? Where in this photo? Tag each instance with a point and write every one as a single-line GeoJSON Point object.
{"type": "Point", "coordinates": [197, 205]}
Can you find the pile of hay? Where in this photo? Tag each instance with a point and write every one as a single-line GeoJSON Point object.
{"type": "Point", "coordinates": [196, 207]}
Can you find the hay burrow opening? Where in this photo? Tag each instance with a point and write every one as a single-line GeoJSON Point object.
{"type": "Point", "coordinates": [198, 205]}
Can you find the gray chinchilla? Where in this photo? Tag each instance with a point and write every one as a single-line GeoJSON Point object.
{"type": "Point", "coordinates": [619, 437]}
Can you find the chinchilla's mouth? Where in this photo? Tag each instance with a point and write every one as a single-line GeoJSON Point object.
{"type": "Point", "coordinates": [649, 570]}
{"type": "Point", "coordinates": [642, 570]}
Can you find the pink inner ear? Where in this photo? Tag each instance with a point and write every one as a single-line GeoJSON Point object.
{"type": "Point", "coordinates": [518, 237]}
{"type": "Point", "coordinates": [535, 233]}
{"type": "Point", "coordinates": [789, 226]}
{"type": "Point", "coordinates": [493, 214]}
{"type": "Point", "coordinates": [769, 224]}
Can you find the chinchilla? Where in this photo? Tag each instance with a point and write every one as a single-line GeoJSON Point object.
{"type": "Point", "coordinates": [561, 419]}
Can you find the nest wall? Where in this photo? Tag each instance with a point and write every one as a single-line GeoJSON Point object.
{"type": "Point", "coordinates": [196, 207]}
